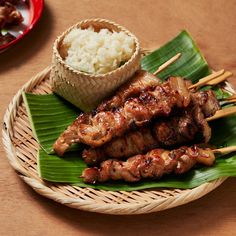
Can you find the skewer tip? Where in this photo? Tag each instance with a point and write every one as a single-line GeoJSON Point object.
{"type": "Point", "coordinates": [225, 150]}
{"type": "Point", "coordinates": [167, 63]}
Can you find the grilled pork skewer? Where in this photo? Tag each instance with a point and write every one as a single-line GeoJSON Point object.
{"type": "Point", "coordinates": [152, 165]}
{"type": "Point", "coordinates": [70, 135]}
{"type": "Point", "coordinates": [176, 130]}
{"type": "Point", "coordinates": [96, 130]}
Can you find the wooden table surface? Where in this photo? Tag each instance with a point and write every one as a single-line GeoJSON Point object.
{"type": "Point", "coordinates": [213, 26]}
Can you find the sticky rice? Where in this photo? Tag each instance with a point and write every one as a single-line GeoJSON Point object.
{"type": "Point", "coordinates": [97, 52]}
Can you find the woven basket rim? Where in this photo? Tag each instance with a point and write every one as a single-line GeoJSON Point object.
{"type": "Point", "coordinates": [60, 60]}
{"type": "Point", "coordinates": [183, 197]}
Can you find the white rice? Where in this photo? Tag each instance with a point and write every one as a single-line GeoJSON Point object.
{"type": "Point", "coordinates": [97, 52]}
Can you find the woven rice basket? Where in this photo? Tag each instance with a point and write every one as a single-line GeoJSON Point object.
{"type": "Point", "coordinates": [84, 90]}
{"type": "Point", "coordinates": [21, 149]}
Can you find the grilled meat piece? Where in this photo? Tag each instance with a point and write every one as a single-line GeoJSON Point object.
{"type": "Point", "coordinates": [176, 130]}
{"type": "Point", "coordinates": [207, 101]}
{"type": "Point", "coordinates": [141, 81]}
{"type": "Point", "coordinates": [9, 15]}
{"type": "Point", "coordinates": [130, 144]}
{"type": "Point", "coordinates": [70, 135]}
{"type": "Point", "coordinates": [100, 128]}
{"type": "Point", "coordinates": [202, 124]}
{"type": "Point", "coordinates": [152, 165]}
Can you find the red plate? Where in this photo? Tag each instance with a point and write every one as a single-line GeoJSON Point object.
{"type": "Point", "coordinates": [31, 10]}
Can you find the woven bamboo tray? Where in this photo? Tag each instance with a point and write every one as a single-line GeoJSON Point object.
{"type": "Point", "coordinates": [21, 149]}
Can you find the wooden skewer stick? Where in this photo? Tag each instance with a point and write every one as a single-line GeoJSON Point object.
{"type": "Point", "coordinates": [225, 150]}
{"type": "Point", "coordinates": [229, 101]}
{"type": "Point", "coordinates": [212, 79]}
{"type": "Point", "coordinates": [167, 63]}
{"type": "Point", "coordinates": [208, 78]}
{"type": "Point", "coordinates": [222, 113]}
{"type": "Point", "coordinates": [232, 97]}
{"type": "Point", "coordinates": [220, 79]}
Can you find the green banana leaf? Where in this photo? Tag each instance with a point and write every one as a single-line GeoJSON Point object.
{"type": "Point", "coordinates": [191, 64]}
{"type": "Point", "coordinates": [47, 126]}
{"type": "Point", "coordinates": [49, 116]}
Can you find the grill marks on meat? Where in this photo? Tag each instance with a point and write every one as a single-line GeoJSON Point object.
{"type": "Point", "coordinates": [152, 165]}
{"type": "Point", "coordinates": [173, 131]}
{"type": "Point", "coordinates": [176, 130]}
{"type": "Point", "coordinates": [141, 81]}
{"type": "Point", "coordinates": [207, 101]}
{"type": "Point", "coordinates": [166, 133]}
{"type": "Point", "coordinates": [103, 126]}
{"type": "Point", "coordinates": [128, 145]}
